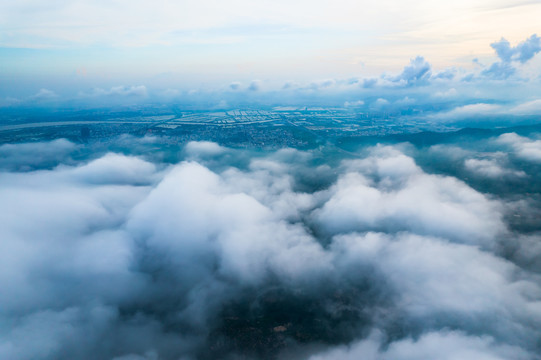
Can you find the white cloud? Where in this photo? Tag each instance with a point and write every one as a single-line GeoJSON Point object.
{"type": "Point", "coordinates": [528, 108]}
{"type": "Point", "coordinates": [435, 277]}
{"type": "Point", "coordinates": [35, 155]}
{"type": "Point", "coordinates": [405, 101]}
{"type": "Point", "coordinates": [43, 95]}
{"type": "Point", "coordinates": [388, 192]}
{"type": "Point", "coordinates": [204, 148]}
{"type": "Point", "coordinates": [490, 168]}
{"type": "Point", "coordinates": [255, 85]}
{"type": "Point", "coordinates": [446, 94]}
{"type": "Point", "coordinates": [480, 110]}
{"type": "Point", "coordinates": [445, 345]}
{"type": "Point", "coordinates": [357, 103]}
{"type": "Point", "coordinates": [470, 111]}
{"type": "Point", "coordinates": [524, 147]}
{"type": "Point", "coordinates": [151, 257]}
{"type": "Point", "coordinates": [116, 169]}
{"type": "Point", "coordinates": [416, 73]}
{"type": "Point", "coordinates": [121, 91]}
{"type": "Point", "coordinates": [235, 85]}
{"type": "Point", "coordinates": [380, 103]}
{"type": "Point", "coordinates": [521, 53]}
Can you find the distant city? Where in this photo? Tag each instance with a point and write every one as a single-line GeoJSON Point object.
{"type": "Point", "coordinates": [281, 126]}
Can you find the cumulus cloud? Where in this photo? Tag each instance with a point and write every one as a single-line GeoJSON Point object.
{"type": "Point", "coordinates": [43, 95]}
{"type": "Point", "coordinates": [524, 147]}
{"type": "Point", "coordinates": [387, 197]}
{"type": "Point", "coordinates": [356, 103]}
{"type": "Point", "coordinates": [523, 52]}
{"type": "Point", "coordinates": [490, 168]}
{"type": "Point", "coordinates": [500, 70]}
{"type": "Point", "coordinates": [485, 110]}
{"type": "Point", "coordinates": [235, 85]}
{"type": "Point", "coordinates": [116, 169]}
{"type": "Point", "coordinates": [369, 83]}
{"type": "Point", "coordinates": [290, 85]}
{"type": "Point", "coordinates": [508, 54]}
{"type": "Point", "coordinates": [445, 345]}
{"type": "Point", "coordinates": [203, 148]}
{"type": "Point", "coordinates": [416, 73]}
{"type": "Point", "coordinates": [36, 155]}
{"type": "Point", "coordinates": [324, 84]}
{"type": "Point", "coordinates": [238, 253]}
{"type": "Point", "coordinates": [405, 101]}
{"type": "Point", "coordinates": [447, 74]}
{"type": "Point", "coordinates": [255, 85]}
{"type": "Point", "coordinates": [380, 103]}
{"type": "Point", "coordinates": [528, 108]}
{"type": "Point", "coordinates": [470, 111]}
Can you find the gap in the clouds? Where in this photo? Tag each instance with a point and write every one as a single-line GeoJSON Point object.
{"type": "Point", "coordinates": [262, 322]}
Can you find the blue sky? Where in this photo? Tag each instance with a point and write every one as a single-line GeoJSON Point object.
{"type": "Point", "coordinates": [78, 49]}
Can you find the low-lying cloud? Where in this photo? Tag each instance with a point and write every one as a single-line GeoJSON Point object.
{"type": "Point", "coordinates": [231, 253]}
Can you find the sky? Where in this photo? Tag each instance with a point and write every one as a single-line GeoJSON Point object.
{"type": "Point", "coordinates": [73, 48]}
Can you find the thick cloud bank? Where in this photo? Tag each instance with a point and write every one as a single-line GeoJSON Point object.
{"type": "Point", "coordinates": [284, 255]}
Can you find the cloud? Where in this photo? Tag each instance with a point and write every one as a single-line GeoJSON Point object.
{"type": "Point", "coordinates": [38, 155]}
{"type": "Point", "coordinates": [369, 83]}
{"type": "Point", "coordinates": [232, 252]}
{"type": "Point", "coordinates": [503, 49]}
{"type": "Point", "coordinates": [416, 73]}
{"type": "Point", "coordinates": [470, 111]}
{"type": "Point", "coordinates": [43, 95]}
{"type": "Point", "coordinates": [405, 101]}
{"type": "Point", "coordinates": [447, 74]}
{"type": "Point", "coordinates": [528, 108]}
{"type": "Point", "coordinates": [203, 148]}
{"type": "Point", "coordinates": [394, 195]}
{"type": "Point", "coordinates": [255, 85]}
{"type": "Point", "coordinates": [523, 52]}
{"type": "Point", "coordinates": [116, 169]}
{"type": "Point", "coordinates": [524, 147]}
{"type": "Point", "coordinates": [323, 84]}
{"type": "Point", "coordinates": [445, 345]}
{"type": "Point", "coordinates": [357, 103]}
{"type": "Point", "coordinates": [121, 91]}
{"type": "Point", "coordinates": [483, 110]}
{"type": "Point", "coordinates": [380, 103]}
{"type": "Point", "coordinates": [437, 283]}
{"type": "Point", "coordinates": [500, 70]}
{"type": "Point", "coordinates": [290, 85]}
{"type": "Point", "coordinates": [469, 86]}
{"type": "Point", "coordinates": [490, 168]}
{"type": "Point", "coordinates": [520, 53]}
{"type": "Point", "coordinates": [235, 85]}
{"type": "Point", "coordinates": [216, 218]}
